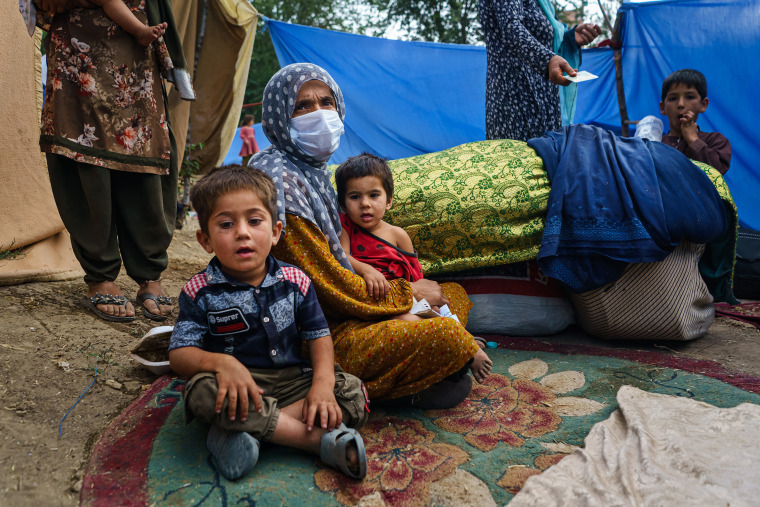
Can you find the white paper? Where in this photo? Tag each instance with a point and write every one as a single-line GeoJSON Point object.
{"type": "Point", "coordinates": [581, 76]}
{"type": "Point", "coordinates": [422, 309]}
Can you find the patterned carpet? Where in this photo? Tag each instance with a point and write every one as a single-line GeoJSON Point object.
{"type": "Point", "coordinates": [747, 312]}
{"type": "Point", "coordinates": [539, 403]}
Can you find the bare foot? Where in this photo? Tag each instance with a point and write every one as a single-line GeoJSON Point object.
{"type": "Point", "coordinates": [154, 287]}
{"type": "Point", "coordinates": [481, 366]}
{"type": "Point", "coordinates": [352, 455]}
{"type": "Point", "coordinates": [148, 34]}
{"type": "Point", "coordinates": [352, 451]}
{"type": "Point", "coordinates": [114, 290]}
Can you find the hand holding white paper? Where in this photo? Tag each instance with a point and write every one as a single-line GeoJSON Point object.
{"type": "Point", "coordinates": [581, 76]}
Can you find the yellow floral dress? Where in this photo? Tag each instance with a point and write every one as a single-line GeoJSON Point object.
{"type": "Point", "coordinates": [394, 358]}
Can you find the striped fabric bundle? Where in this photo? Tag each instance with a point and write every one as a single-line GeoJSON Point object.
{"type": "Point", "coordinates": [666, 300]}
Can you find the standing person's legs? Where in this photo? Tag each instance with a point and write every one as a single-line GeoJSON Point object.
{"type": "Point", "coordinates": [83, 196]}
{"type": "Point", "coordinates": [144, 212]}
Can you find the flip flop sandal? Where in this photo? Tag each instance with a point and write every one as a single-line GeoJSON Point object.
{"type": "Point", "coordinates": [481, 341]}
{"type": "Point", "coordinates": [159, 300]}
{"type": "Point", "coordinates": [236, 452]}
{"type": "Point", "coordinates": [91, 303]}
{"type": "Point", "coordinates": [334, 447]}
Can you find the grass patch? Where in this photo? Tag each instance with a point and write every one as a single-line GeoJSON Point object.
{"type": "Point", "coordinates": [10, 254]}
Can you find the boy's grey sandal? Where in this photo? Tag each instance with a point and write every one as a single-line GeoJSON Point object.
{"type": "Point", "coordinates": [236, 452]}
{"type": "Point", "coordinates": [91, 303]}
{"type": "Point", "coordinates": [333, 450]}
{"type": "Point", "coordinates": [159, 300]}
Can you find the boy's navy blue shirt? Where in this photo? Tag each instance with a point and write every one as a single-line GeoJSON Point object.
{"type": "Point", "coordinates": [262, 327]}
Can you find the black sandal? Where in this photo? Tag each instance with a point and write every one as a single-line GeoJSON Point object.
{"type": "Point", "coordinates": [159, 300]}
{"type": "Point", "coordinates": [91, 303]}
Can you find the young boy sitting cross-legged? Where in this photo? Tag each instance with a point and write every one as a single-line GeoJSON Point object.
{"type": "Point", "coordinates": [239, 333]}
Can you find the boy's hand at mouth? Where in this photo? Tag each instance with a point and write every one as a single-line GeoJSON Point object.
{"type": "Point", "coordinates": [688, 127]}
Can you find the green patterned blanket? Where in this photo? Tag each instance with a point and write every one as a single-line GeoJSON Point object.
{"type": "Point", "coordinates": [484, 203]}
{"type": "Point", "coordinates": [474, 205]}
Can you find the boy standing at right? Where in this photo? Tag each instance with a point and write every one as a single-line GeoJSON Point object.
{"type": "Point", "coordinates": [684, 97]}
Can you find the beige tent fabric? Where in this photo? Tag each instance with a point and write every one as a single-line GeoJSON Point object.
{"type": "Point", "coordinates": [221, 74]}
{"type": "Point", "coordinates": [658, 450]}
{"type": "Point", "coordinates": [26, 202]}
{"type": "Point", "coordinates": [28, 215]}
{"type": "Point", "coordinates": [48, 260]}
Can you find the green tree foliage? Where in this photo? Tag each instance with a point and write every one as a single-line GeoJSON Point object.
{"type": "Point", "coordinates": [342, 15]}
{"type": "Point", "coordinates": [454, 21]}
{"type": "Point", "coordinates": [573, 12]}
{"type": "Point", "coordinates": [570, 12]}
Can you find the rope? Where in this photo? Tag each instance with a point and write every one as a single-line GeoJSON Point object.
{"type": "Point", "coordinates": [60, 425]}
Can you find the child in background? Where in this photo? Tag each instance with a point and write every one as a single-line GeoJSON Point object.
{"type": "Point", "coordinates": [248, 135]}
{"type": "Point", "coordinates": [241, 325]}
{"type": "Point", "coordinates": [377, 250]}
{"type": "Point", "coordinates": [684, 97]}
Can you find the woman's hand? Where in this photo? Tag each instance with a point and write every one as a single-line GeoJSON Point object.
{"type": "Point", "coordinates": [429, 291]}
{"type": "Point", "coordinates": [558, 65]}
{"type": "Point", "coordinates": [586, 32]}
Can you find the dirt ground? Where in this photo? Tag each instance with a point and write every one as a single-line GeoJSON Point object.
{"type": "Point", "coordinates": [50, 346]}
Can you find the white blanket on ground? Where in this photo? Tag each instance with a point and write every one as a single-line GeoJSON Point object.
{"type": "Point", "coordinates": [658, 450]}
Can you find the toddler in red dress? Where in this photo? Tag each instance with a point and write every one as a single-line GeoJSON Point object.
{"type": "Point", "coordinates": [377, 250]}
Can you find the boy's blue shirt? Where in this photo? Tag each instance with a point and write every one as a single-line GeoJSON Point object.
{"type": "Point", "coordinates": [263, 326]}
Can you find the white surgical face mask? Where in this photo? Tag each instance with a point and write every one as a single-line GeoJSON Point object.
{"type": "Point", "coordinates": [317, 133]}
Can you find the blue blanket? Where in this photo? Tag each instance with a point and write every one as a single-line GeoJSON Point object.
{"type": "Point", "coordinates": [618, 200]}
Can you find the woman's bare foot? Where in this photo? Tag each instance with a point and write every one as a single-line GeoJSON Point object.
{"type": "Point", "coordinates": [148, 34]}
{"type": "Point", "coordinates": [481, 365]}
{"type": "Point", "coordinates": [111, 288]}
{"type": "Point", "coordinates": [158, 308]}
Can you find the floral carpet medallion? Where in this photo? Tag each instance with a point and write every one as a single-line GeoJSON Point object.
{"type": "Point", "coordinates": [536, 407]}
{"type": "Point", "coordinates": [508, 410]}
{"type": "Point", "coordinates": [402, 461]}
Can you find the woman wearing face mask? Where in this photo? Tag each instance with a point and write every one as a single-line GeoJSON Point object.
{"type": "Point", "coordinates": [423, 363]}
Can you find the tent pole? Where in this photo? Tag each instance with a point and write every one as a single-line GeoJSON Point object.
{"type": "Point", "coordinates": [186, 179]}
{"type": "Point", "coordinates": [617, 47]}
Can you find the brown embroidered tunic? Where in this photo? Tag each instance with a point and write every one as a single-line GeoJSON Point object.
{"type": "Point", "coordinates": [104, 100]}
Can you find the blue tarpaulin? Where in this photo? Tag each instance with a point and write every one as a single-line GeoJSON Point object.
{"type": "Point", "coordinates": [408, 98]}
{"type": "Point", "coordinates": [721, 40]}
{"type": "Point", "coordinates": [402, 98]}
